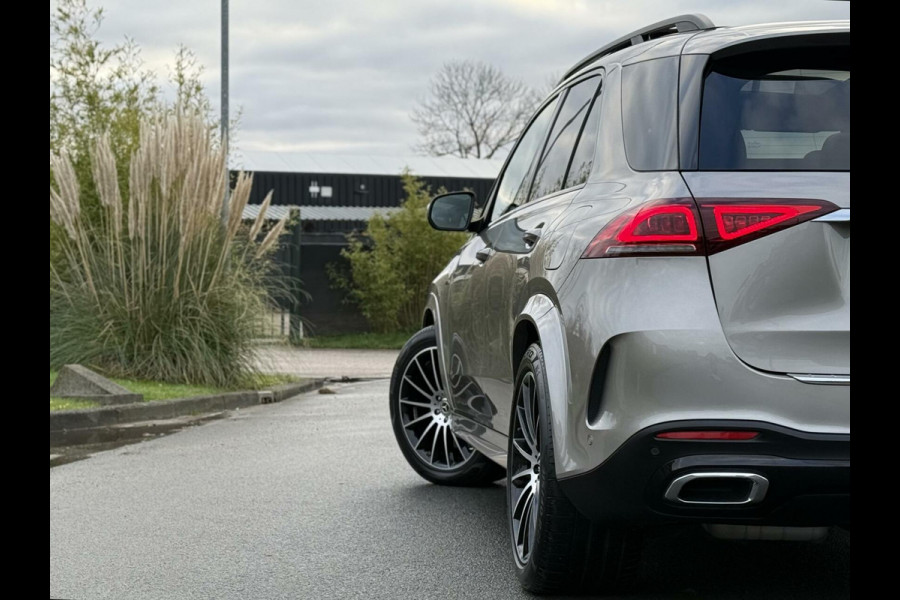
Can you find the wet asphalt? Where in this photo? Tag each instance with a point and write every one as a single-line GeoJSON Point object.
{"type": "Point", "coordinates": [310, 498]}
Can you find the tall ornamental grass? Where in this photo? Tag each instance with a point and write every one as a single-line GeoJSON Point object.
{"type": "Point", "coordinates": [156, 286]}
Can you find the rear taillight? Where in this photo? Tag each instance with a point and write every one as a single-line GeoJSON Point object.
{"type": "Point", "coordinates": [674, 227]}
{"type": "Point", "coordinates": [659, 228]}
{"type": "Point", "coordinates": [728, 222]}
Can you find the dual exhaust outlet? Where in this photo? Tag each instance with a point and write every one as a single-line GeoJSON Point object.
{"type": "Point", "coordinates": [717, 489]}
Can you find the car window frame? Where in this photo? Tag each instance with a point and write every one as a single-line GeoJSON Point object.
{"type": "Point", "coordinates": [556, 95]}
{"type": "Point", "coordinates": [485, 220]}
{"type": "Point", "coordinates": [587, 114]}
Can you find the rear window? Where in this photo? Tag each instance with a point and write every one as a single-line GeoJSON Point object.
{"type": "Point", "coordinates": [785, 110]}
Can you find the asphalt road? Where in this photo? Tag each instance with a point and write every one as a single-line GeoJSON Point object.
{"type": "Point", "coordinates": [310, 498]}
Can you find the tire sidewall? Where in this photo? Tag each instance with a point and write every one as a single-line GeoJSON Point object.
{"type": "Point", "coordinates": [532, 362]}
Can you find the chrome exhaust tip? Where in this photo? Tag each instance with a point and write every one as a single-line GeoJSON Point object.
{"type": "Point", "coordinates": [717, 489]}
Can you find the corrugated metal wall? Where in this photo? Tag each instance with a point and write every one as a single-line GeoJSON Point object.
{"type": "Point", "coordinates": [327, 312]}
{"type": "Point", "coordinates": [351, 190]}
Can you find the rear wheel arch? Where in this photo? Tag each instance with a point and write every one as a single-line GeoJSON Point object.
{"type": "Point", "coordinates": [542, 318]}
{"type": "Point", "coordinates": [525, 334]}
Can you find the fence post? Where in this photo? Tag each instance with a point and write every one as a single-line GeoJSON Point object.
{"type": "Point", "coordinates": [296, 331]}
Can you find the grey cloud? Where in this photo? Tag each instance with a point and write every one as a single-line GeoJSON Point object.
{"type": "Point", "coordinates": [343, 75]}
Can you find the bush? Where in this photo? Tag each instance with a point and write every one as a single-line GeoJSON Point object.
{"type": "Point", "coordinates": [394, 261]}
{"type": "Point", "coordinates": [154, 286]}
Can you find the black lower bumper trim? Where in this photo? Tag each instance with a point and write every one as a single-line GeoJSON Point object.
{"type": "Point", "coordinates": [808, 477]}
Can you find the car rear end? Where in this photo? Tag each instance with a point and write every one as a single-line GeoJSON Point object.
{"type": "Point", "coordinates": [722, 393]}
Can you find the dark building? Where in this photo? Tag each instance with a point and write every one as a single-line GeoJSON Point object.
{"type": "Point", "coordinates": [336, 195]}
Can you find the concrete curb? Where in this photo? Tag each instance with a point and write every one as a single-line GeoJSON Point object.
{"type": "Point", "coordinates": [105, 416]}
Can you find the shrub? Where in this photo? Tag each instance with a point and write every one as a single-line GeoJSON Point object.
{"type": "Point", "coordinates": [392, 264]}
{"type": "Point", "coordinates": [155, 286]}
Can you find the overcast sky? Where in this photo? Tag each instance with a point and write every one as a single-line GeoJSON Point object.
{"type": "Point", "coordinates": [341, 76]}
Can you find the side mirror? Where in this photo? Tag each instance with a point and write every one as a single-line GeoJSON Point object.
{"type": "Point", "coordinates": [451, 212]}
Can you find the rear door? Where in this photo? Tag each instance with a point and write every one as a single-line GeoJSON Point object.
{"type": "Point", "coordinates": [773, 187]}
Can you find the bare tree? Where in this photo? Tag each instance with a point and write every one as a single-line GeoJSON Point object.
{"type": "Point", "coordinates": [473, 110]}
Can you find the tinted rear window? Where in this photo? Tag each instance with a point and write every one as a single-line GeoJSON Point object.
{"type": "Point", "coordinates": [785, 111]}
{"type": "Point", "coordinates": [649, 103]}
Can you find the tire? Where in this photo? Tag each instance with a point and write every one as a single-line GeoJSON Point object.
{"type": "Point", "coordinates": [555, 548]}
{"type": "Point", "coordinates": [422, 424]}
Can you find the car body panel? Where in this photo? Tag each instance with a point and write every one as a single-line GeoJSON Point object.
{"type": "Point", "coordinates": [686, 336]}
{"type": "Point", "coordinates": [784, 299]}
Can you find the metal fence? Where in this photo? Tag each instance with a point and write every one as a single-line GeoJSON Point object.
{"type": "Point", "coordinates": [281, 321]}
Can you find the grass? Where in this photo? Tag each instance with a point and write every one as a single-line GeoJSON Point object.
{"type": "Point", "coordinates": [365, 341]}
{"type": "Point", "coordinates": [157, 390]}
{"type": "Point", "coordinates": [69, 404]}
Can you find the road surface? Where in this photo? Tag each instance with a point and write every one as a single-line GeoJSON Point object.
{"type": "Point", "coordinates": [310, 498]}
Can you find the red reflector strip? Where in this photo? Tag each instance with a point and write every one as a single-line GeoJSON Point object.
{"type": "Point", "coordinates": [707, 435]}
{"type": "Point", "coordinates": [734, 221]}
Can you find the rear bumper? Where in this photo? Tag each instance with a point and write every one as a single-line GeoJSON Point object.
{"type": "Point", "coordinates": [806, 477]}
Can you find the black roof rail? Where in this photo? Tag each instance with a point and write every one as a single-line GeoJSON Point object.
{"type": "Point", "coordinates": [678, 24]}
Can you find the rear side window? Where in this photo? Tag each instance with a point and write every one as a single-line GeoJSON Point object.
{"type": "Point", "coordinates": [785, 111]}
{"type": "Point", "coordinates": [583, 159]}
{"type": "Point", "coordinates": [513, 188]}
{"type": "Point", "coordinates": [551, 172]}
{"type": "Point", "coordinates": [649, 109]}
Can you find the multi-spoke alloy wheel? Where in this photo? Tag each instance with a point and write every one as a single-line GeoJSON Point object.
{"type": "Point", "coordinates": [525, 468]}
{"type": "Point", "coordinates": [425, 414]}
{"type": "Point", "coordinates": [423, 421]}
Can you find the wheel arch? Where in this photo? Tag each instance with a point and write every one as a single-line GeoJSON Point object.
{"type": "Point", "coordinates": [541, 321]}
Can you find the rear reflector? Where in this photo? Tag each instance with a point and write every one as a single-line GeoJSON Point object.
{"type": "Point", "coordinates": [707, 435]}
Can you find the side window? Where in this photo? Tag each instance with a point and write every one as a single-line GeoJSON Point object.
{"type": "Point", "coordinates": [514, 183]}
{"type": "Point", "coordinates": [583, 159]}
{"type": "Point", "coordinates": [551, 173]}
{"type": "Point", "coordinates": [649, 114]}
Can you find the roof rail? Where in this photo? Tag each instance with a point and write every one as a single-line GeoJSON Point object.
{"type": "Point", "coordinates": [678, 24]}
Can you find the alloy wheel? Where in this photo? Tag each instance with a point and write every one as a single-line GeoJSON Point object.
{"type": "Point", "coordinates": [425, 414]}
{"type": "Point", "coordinates": [525, 468]}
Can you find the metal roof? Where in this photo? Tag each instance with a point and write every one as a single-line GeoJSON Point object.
{"type": "Point", "coordinates": [351, 164]}
{"type": "Point", "coordinates": [319, 213]}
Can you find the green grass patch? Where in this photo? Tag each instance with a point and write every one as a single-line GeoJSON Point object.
{"type": "Point", "coordinates": [362, 341]}
{"type": "Point", "coordinates": [158, 390]}
{"type": "Point", "coordinates": [69, 404]}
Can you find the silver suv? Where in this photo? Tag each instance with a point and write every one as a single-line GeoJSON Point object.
{"type": "Point", "coordinates": [651, 321]}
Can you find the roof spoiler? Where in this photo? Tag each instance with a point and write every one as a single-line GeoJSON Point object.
{"type": "Point", "coordinates": [678, 24]}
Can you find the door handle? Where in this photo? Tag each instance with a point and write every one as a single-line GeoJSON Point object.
{"type": "Point", "coordinates": [484, 254]}
{"type": "Point", "coordinates": [531, 237]}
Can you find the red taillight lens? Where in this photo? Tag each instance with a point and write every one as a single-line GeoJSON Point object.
{"type": "Point", "coordinates": [660, 228]}
{"type": "Point", "coordinates": [673, 227]}
{"type": "Point", "coordinates": [707, 435]}
{"type": "Point", "coordinates": [729, 222]}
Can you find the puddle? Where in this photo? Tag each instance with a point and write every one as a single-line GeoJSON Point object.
{"type": "Point", "coordinates": [78, 444]}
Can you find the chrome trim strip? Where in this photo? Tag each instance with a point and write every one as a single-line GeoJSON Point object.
{"type": "Point", "coordinates": [821, 379]}
{"type": "Point", "coordinates": [839, 216]}
{"type": "Point", "coordinates": [758, 488]}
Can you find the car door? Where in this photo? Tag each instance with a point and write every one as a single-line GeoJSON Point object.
{"type": "Point", "coordinates": [488, 284]}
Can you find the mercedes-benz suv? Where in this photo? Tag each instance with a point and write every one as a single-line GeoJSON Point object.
{"type": "Point", "coordinates": [650, 322]}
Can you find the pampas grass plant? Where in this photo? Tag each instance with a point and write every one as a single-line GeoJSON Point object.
{"type": "Point", "coordinates": [158, 287]}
